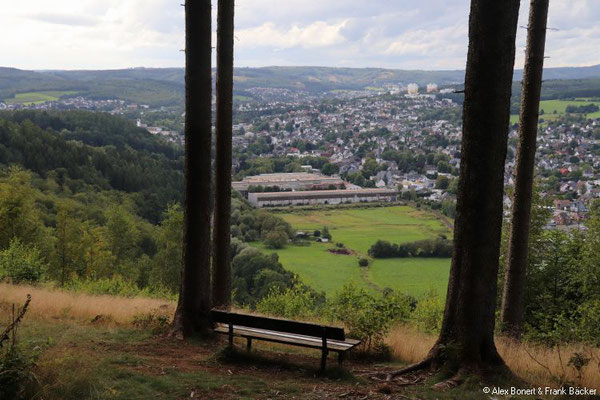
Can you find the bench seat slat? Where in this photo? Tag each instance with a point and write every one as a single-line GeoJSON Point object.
{"type": "Point", "coordinates": [289, 338]}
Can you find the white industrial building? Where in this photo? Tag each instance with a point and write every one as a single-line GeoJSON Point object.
{"type": "Point", "coordinates": [282, 199]}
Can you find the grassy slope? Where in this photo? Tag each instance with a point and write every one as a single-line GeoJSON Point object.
{"type": "Point", "coordinates": [37, 97]}
{"type": "Point", "coordinates": [317, 267]}
{"type": "Point", "coordinates": [358, 229]}
{"type": "Point", "coordinates": [414, 276]}
{"type": "Point", "coordinates": [560, 106]}
{"type": "Point", "coordinates": [110, 359]}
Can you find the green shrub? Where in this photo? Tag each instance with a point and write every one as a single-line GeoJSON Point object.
{"type": "Point", "coordinates": [156, 321]}
{"type": "Point", "coordinates": [363, 262]}
{"type": "Point", "coordinates": [15, 366]}
{"type": "Point", "coordinates": [116, 286]}
{"type": "Point", "coordinates": [588, 328]}
{"type": "Point", "coordinates": [22, 263]}
{"type": "Point", "coordinates": [368, 317]}
{"type": "Point", "coordinates": [299, 301]}
{"type": "Point", "coordinates": [255, 274]}
{"type": "Point", "coordinates": [276, 239]}
{"type": "Point", "coordinates": [15, 374]}
{"type": "Point", "coordinates": [428, 313]}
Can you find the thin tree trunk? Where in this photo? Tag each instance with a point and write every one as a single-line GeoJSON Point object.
{"type": "Point", "coordinates": [221, 262]}
{"type": "Point", "coordinates": [466, 341]}
{"type": "Point", "coordinates": [514, 278]}
{"type": "Point", "coordinates": [193, 309]}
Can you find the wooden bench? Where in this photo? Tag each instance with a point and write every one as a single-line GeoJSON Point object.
{"type": "Point", "coordinates": [326, 338]}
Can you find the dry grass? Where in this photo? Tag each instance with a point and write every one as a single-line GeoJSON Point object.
{"type": "Point", "coordinates": [408, 344]}
{"type": "Point", "coordinates": [537, 364]}
{"type": "Point", "coordinates": [542, 364]}
{"type": "Point", "coordinates": [61, 305]}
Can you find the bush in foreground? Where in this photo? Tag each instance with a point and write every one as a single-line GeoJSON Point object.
{"type": "Point", "coordinates": [299, 301]}
{"type": "Point", "coordinates": [368, 317]}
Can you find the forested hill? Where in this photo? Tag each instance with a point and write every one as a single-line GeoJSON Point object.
{"type": "Point", "coordinates": [155, 87]}
{"type": "Point", "coordinates": [91, 152]}
{"type": "Point", "coordinates": [165, 86]}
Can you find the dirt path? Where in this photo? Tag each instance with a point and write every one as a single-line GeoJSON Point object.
{"type": "Point", "coordinates": [444, 220]}
{"type": "Point", "coordinates": [364, 275]}
{"type": "Point", "coordinates": [275, 371]}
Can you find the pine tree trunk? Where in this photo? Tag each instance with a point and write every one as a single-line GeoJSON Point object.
{"type": "Point", "coordinates": [466, 339]}
{"type": "Point", "coordinates": [221, 262]}
{"type": "Point", "coordinates": [193, 309]}
{"type": "Point", "coordinates": [514, 278]}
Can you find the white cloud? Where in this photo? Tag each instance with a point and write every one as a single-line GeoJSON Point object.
{"type": "Point", "coordinates": [437, 42]}
{"type": "Point", "coordinates": [398, 34]}
{"type": "Point", "coordinates": [316, 34]}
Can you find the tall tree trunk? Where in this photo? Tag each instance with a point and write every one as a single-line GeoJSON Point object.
{"type": "Point", "coordinates": [193, 309]}
{"type": "Point", "coordinates": [466, 341]}
{"type": "Point", "coordinates": [221, 261]}
{"type": "Point", "coordinates": [514, 278]}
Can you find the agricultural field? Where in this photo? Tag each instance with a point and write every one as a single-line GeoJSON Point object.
{"type": "Point", "coordinates": [37, 97]}
{"type": "Point", "coordinates": [556, 108]}
{"type": "Point", "coordinates": [358, 229]}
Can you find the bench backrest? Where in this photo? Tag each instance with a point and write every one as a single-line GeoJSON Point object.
{"type": "Point", "coordinates": [278, 324]}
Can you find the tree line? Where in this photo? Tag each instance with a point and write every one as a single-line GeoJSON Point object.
{"type": "Point", "coordinates": [438, 247]}
{"type": "Point", "coordinates": [95, 240]}
{"type": "Point", "coordinates": [84, 150]}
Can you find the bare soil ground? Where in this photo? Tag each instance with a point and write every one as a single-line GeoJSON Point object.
{"type": "Point", "coordinates": [288, 375]}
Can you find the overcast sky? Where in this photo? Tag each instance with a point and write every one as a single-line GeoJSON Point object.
{"type": "Point", "coordinates": [404, 34]}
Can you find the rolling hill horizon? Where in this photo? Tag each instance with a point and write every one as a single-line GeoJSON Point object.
{"type": "Point", "coordinates": [165, 86]}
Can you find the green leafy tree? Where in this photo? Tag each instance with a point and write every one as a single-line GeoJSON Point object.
{"type": "Point", "coordinates": [325, 233]}
{"type": "Point", "coordinates": [122, 238]}
{"type": "Point", "coordinates": [330, 169]}
{"type": "Point", "coordinates": [255, 274]}
{"type": "Point", "coordinates": [276, 239]}
{"type": "Point", "coordinates": [19, 218]}
{"type": "Point", "coordinates": [442, 182]}
{"type": "Point", "coordinates": [370, 168]}
{"type": "Point", "coordinates": [98, 259]}
{"type": "Point", "coordinates": [69, 252]}
{"type": "Point", "coordinates": [21, 262]}
{"type": "Point", "coordinates": [166, 265]}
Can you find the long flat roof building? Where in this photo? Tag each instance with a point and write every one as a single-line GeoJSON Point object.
{"type": "Point", "coordinates": [289, 181]}
{"type": "Point", "coordinates": [282, 199]}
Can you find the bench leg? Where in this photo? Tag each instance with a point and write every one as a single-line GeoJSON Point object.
{"type": "Point", "coordinates": [324, 350]}
{"type": "Point", "coordinates": [248, 344]}
{"type": "Point", "coordinates": [324, 354]}
{"type": "Point", "coordinates": [341, 357]}
{"type": "Point", "coordinates": [230, 335]}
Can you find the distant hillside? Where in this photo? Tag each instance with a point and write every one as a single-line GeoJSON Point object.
{"type": "Point", "coordinates": [165, 86]}
{"type": "Point", "coordinates": [155, 87]}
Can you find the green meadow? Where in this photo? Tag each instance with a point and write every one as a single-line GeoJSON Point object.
{"type": "Point", "coordinates": [358, 229]}
{"type": "Point", "coordinates": [37, 97]}
{"type": "Point", "coordinates": [556, 108]}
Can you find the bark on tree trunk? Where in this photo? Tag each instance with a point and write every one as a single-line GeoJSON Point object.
{"type": "Point", "coordinates": [514, 278]}
{"type": "Point", "coordinates": [467, 332]}
{"type": "Point", "coordinates": [193, 309]}
{"type": "Point", "coordinates": [466, 341]}
{"type": "Point", "coordinates": [221, 244]}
